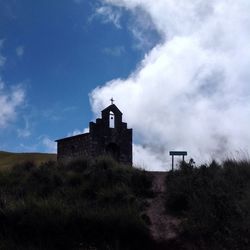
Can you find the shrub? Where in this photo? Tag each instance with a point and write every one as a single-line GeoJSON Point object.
{"type": "Point", "coordinates": [80, 205]}
{"type": "Point", "coordinates": [214, 201]}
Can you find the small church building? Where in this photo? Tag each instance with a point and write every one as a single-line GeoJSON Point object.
{"type": "Point", "coordinates": [109, 135]}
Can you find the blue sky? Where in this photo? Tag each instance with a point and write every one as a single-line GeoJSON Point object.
{"type": "Point", "coordinates": [174, 68]}
{"type": "Point", "coordinates": [57, 52]}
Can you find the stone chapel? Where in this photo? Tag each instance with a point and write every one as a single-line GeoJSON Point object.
{"type": "Point", "coordinates": [109, 135]}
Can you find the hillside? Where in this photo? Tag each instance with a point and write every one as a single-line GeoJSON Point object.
{"type": "Point", "coordinates": [100, 204]}
{"type": "Point", "coordinates": [8, 159]}
{"type": "Point", "coordinates": [213, 203]}
{"type": "Point", "coordinates": [81, 205]}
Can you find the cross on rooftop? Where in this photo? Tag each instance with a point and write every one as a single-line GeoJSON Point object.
{"type": "Point", "coordinates": [112, 100]}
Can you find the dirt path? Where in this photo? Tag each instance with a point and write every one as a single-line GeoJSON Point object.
{"type": "Point", "coordinates": [163, 226]}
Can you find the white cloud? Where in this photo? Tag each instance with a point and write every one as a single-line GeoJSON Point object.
{"type": "Point", "coordinates": [143, 155]}
{"type": "Point", "coordinates": [191, 91]}
{"type": "Point", "coordinates": [1, 84]}
{"type": "Point", "coordinates": [143, 30]}
{"type": "Point", "coordinates": [10, 101]}
{"type": "Point", "coordinates": [43, 144]}
{"type": "Point", "coordinates": [115, 51]}
{"type": "Point", "coordinates": [10, 98]}
{"type": "Point", "coordinates": [2, 58]}
{"type": "Point", "coordinates": [24, 132]}
{"type": "Point", "coordinates": [109, 15]}
{"type": "Point", "coordinates": [50, 145]}
{"type": "Point", "coordinates": [20, 51]}
{"type": "Point", "coordinates": [78, 132]}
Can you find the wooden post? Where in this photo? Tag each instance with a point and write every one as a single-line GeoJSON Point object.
{"type": "Point", "coordinates": [172, 163]}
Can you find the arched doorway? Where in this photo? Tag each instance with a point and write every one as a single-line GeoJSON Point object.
{"type": "Point", "coordinates": [113, 150]}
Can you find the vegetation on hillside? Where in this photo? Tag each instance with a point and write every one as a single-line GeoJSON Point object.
{"type": "Point", "coordinates": [101, 205]}
{"type": "Point", "coordinates": [81, 205]}
{"type": "Point", "coordinates": [214, 202]}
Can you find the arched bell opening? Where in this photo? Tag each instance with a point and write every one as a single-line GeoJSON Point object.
{"type": "Point", "coordinates": [113, 150]}
{"type": "Point", "coordinates": [111, 119]}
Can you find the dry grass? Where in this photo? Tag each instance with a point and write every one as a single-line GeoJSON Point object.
{"type": "Point", "coordinates": [8, 159]}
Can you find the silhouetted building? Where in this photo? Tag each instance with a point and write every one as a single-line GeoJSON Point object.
{"type": "Point", "coordinates": [107, 136]}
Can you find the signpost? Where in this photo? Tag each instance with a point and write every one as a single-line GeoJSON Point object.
{"type": "Point", "coordinates": [178, 153]}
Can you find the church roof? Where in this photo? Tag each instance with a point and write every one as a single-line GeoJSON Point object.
{"type": "Point", "coordinates": [74, 136]}
{"type": "Point", "coordinates": [112, 108]}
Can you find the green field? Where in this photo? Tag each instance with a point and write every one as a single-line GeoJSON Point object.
{"type": "Point", "coordinates": [8, 159]}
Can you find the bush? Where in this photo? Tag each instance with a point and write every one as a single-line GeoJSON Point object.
{"type": "Point", "coordinates": [214, 202]}
{"type": "Point", "coordinates": [80, 205]}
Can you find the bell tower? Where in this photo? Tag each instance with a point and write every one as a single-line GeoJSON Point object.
{"type": "Point", "coordinates": [112, 136]}
{"type": "Point", "coordinates": [109, 135]}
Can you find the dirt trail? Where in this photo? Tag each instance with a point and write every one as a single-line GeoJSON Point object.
{"type": "Point", "coordinates": [163, 226]}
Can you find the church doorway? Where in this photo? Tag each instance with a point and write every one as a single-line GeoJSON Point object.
{"type": "Point", "coordinates": [113, 150]}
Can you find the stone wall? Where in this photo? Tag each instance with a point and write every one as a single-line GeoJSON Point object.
{"type": "Point", "coordinates": [74, 147]}
{"type": "Point", "coordinates": [101, 140]}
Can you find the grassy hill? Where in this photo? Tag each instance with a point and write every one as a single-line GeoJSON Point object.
{"type": "Point", "coordinates": [8, 159]}
{"type": "Point", "coordinates": [213, 202]}
{"type": "Point", "coordinates": [102, 205]}
{"type": "Point", "coordinates": [81, 205]}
